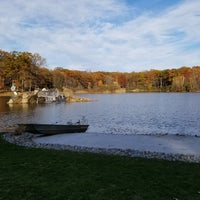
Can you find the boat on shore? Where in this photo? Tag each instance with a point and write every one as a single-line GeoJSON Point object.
{"type": "Point", "coordinates": [52, 129]}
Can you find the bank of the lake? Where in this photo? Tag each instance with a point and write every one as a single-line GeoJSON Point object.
{"type": "Point", "coordinates": [174, 148]}
{"type": "Point", "coordinates": [30, 173]}
{"type": "Point", "coordinates": [6, 94]}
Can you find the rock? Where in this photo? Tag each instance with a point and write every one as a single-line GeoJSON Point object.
{"type": "Point", "coordinates": [67, 92]}
{"type": "Point", "coordinates": [26, 139]}
{"type": "Point", "coordinates": [23, 98]}
{"type": "Point", "coordinates": [70, 98]}
{"type": "Point", "coordinates": [78, 99]}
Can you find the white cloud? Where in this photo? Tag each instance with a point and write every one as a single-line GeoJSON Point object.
{"type": "Point", "coordinates": [96, 35]}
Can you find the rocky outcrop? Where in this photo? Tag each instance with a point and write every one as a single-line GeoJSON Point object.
{"type": "Point", "coordinates": [23, 98]}
{"type": "Point", "coordinates": [77, 99]}
{"type": "Point", "coordinates": [46, 96]}
{"type": "Point", "coordinates": [68, 93]}
{"type": "Point", "coordinates": [70, 98]}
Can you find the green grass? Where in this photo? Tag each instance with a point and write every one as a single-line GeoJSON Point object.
{"type": "Point", "coordinates": [35, 174]}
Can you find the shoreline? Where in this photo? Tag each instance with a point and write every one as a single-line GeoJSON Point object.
{"type": "Point", "coordinates": [82, 92]}
{"type": "Point", "coordinates": [6, 94]}
{"type": "Point", "coordinates": [102, 144]}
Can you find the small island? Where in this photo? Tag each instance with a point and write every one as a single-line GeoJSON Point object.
{"type": "Point", "coordinates": [45, 96]}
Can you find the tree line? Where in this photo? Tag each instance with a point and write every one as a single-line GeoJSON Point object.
{"type": "Point", "coordinates": [28, 71]}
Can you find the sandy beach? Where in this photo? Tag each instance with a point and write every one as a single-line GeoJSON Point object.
{"type": "Point", "coordinates": [169, 144]}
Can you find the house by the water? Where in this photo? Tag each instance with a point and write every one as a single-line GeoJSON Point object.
{"type": "Point", "coordinates": [48, 96]}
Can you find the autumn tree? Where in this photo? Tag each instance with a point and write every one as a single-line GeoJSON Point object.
{"type": "Point", "coordinates": [45, 78]}
{"type": "Point", "coordinates": [21, 69]}
{"type": "Point", "coordinates": [58, 78]}
{"type": "Point", "coordinates": [195, 79]}
{"type": "Point", "coordinates": [122, 80]}
{"type": "Point", "coordinates": [28, 71]}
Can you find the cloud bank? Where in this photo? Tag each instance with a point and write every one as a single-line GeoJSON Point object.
{"type": "Point", "coordinates": [106, 35]}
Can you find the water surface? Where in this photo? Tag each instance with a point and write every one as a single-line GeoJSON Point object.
{"type": "Point", "coordinates": [137, 113]}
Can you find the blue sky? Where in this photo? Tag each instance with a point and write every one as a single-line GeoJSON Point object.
{"type": "Point", "coordinates": [106, 35]}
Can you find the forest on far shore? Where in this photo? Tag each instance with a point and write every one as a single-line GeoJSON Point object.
{"type": "Point", "coordinates": [28, 71]}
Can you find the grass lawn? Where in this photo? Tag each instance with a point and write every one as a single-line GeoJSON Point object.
{"type": "Point", "coordinates": [35, 174]}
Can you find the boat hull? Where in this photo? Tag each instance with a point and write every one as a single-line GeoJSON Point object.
{"type": "Point", "coordinates": [51, 129]}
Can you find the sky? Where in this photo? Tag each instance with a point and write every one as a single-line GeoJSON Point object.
{"type": "Point", "coordinates": [104, 35]}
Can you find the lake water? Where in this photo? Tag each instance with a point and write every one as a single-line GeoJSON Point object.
{"type": "Point", "coordinates": [131, 113]}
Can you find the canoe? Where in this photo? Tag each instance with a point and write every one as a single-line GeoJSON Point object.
{"type": "Point", "coordinates": [51, 129]}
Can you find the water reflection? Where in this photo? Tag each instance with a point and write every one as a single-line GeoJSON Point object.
{"type": "Point", "coordinates": [5, 107]}
{"type": "Point", "coordinates": [3, 104]}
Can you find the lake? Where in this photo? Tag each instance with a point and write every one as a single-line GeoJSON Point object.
{"type": "Point", "coordinates": [129, 113]}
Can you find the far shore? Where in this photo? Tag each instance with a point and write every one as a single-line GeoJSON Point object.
{"type": "Point", "coordinates": [9, 93]}
{"type": "Point", "coordinates": [6, 94]}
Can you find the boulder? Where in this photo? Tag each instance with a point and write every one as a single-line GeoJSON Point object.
{"type": "Point", "coordinates": [23, 98]}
